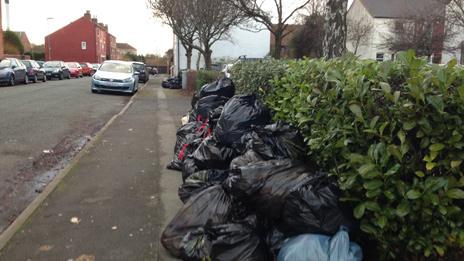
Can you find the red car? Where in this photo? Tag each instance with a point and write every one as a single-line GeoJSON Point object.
{"type": "Point", "coordinates": [87, 69]}
{"type": "Point", "coordinates": [75, 69]}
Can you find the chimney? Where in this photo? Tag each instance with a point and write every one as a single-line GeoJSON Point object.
{"type": "Point", "coordinates": [95, 20]}
{"type": "Point", "coordinates": [106, 27]}
{"type": "Point", "coordinates": [87, 14]}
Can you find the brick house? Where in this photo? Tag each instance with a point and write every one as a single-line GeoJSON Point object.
{"type": "Point", "coordinates": [123, 49]}
{"type": "Point", "coordinates": [25, 41]}
{"type": "Point", "coordinates": [289, 32]}
{"type": "Point", "coordinates": [84, 40]}
{"type": "Point", "coordinates": [111, 47]}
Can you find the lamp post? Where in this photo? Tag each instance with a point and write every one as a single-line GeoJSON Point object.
{"type": "Point", "coordinates": [49, 39]}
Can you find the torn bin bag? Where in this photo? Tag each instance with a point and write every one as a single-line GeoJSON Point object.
{"type": "Point", "coordinates": [200, 181]}
{"type": "Point", "coordinates": [223, 87]}
{"type": "Point", "coordinates": [239, 115]}
{"type": "Point", "coordinates": [189, 138]}
{"type": "Point", "coordinates": [212, 206]}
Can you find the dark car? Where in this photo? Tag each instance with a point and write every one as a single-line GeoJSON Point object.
{"type": "Point", "coordinates": [144, 74]}
{"type": "Point", "coordinates": [34, 72]}
{"type": "Point", "coordinates": [40, 63]}
{"type": "Point", "coordinates": [56, 69]}
{"type": "Point", "coordinates": [13, 71]}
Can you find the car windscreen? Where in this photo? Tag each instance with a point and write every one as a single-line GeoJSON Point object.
{"type": "Point", "coordinates": [5, 64]}
{"type": "Point", "coordinates": [27, 63]}
{"type": "Point", "coordinates": [52, 65]}
{"type": "Point", "coordinates": [71, 65]}
{"type": "Point", "coordinates": [139, 67]}
{"type": "Point", "coordinates": [116, 67]}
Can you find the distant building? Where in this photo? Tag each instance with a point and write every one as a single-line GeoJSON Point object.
{"type": "Point", "coordinates": [111, 47]}
{"type": "Point", "coordinates": [84, 40]}
{"type": "Point", "coordinates": [25, 41]}
{"type": "Point", "coordinates": [289, 33]}
{"type": "Point", "coordinates": [383, 14]}
{"type": "Point", "coordinates": [125, 48]}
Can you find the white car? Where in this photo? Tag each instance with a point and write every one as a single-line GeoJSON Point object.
{"type": "Point", "coordinates": [116, 76]}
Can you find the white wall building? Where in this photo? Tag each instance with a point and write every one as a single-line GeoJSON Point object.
{"type": "Point", "coordinates": [241, 42]}
{"type": "Point", "coordinates": [381, 14]}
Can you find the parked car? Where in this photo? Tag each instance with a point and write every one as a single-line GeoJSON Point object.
{"type": "Point", "coordinates": [144, 74]}
{"type": "Point", "coordinates": [95, 66]}
{"type": "Point", "coordinates": [56, 69]}
{"type": "Point", "coordinates": [152, 70]}
{"type": "Point", "coordinates": [75, 69]}
{"type": "Point", "coordinates": [41, 63]}
{"type": "Point", "coordinates": [13, 71]}
{"type": "Point", "coordinates": [87, 69]}
{"type": "Point", "coordinates": [34, 72]}
{"type": "Point", "coordinates": [116, 76]}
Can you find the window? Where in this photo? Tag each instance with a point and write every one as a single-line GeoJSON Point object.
{"type": "Point", "coordinates": [84, 45]}
{"type": "Point", "coordinates": [379, 57]}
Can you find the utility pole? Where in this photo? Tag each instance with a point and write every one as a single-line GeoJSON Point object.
{"type": "Point", "coordinates": [49, 40]}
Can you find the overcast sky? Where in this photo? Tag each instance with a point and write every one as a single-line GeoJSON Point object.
{"type": "Point", "coordinates": [129, 20]}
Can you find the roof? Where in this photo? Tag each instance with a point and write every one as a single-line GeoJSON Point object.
{"type": "Point", "coordinates": [402, 8]}
{"type": "Point", "coordinates": [124, 46]}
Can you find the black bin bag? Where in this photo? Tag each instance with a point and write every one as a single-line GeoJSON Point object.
{"type": "Point", "coordinates": [238, 241]}
{"type": "Point", "coordinates": [206, 105]}
{"type": "Point", "coordinates": [223, 87]}
{"type": "Point", "coordinates": [200, 181]}
{"type": "Point", "coordinates": [239, 115]}
{"type": "Point", "coordinates": [266, 184]}
{"type": "Point", "coordinates": [188, 140]}
{"type": "Point", "coordinates": [184, 235]}
{"type": "Point", "coordinates": [314, 208]}
{"type": "Point", "coordinates": [276, 141]}
{"type": "Point", "coordinates": [211, 155]}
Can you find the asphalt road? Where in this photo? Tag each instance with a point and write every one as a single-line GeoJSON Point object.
{"type": "Point", "coordinates": [42, 126]}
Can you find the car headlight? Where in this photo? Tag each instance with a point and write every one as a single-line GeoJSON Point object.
{"type": "Point", "coordinates": [128, 79]}
{"type": "Point", "coordinates": [96, 77]}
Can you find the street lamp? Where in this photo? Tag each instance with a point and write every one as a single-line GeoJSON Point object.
{"type": "Point", "coordinates": [49, 39]}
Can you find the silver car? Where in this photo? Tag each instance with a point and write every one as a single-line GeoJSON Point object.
{"type": "Point", "coordinates": [116, 76]}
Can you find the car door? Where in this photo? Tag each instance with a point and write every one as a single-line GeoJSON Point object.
{"type": "Point", "coordinates": [19, 71]}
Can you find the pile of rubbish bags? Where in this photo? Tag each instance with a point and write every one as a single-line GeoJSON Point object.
{"type": "Point", "coordinates": [247, 189]}
{"type": "Point", "coordinates": [172, 83]}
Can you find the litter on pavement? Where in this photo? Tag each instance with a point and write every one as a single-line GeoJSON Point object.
{"type": "Point", "coordinates": [248, 190]}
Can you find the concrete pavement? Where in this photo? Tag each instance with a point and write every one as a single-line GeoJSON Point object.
{"type": "Point", "coordinates": [118, 197]}
{"type": "Point", "coordinates": [55, 116]}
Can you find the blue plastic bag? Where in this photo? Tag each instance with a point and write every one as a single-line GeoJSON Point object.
{"type": "Point", "coordinates": [312, 247]}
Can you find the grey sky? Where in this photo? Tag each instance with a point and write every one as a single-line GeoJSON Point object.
{"type": "Point", "coordinates": [130, 21]}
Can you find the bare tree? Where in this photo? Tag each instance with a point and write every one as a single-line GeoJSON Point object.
{"type": "Point", "coordinates": [426, 31]}
{"type": "Point", "coordinates": [212, 20]}
{"type": "Point", "coordinates": [175, 14]}
{"type": "Point", "coordinates": [307, 40]}
{"type": "Point", "coordinates": [456, 12]}
{"type": "Point", "coordinates": [254, 9]}
{"type": "Point", "coordinates": [359, 33]}
{"type": "Point", "coordinates": [335, 28]}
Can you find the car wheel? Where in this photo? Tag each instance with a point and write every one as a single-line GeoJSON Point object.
{"type": "Point", "coordinates": [26, 79]}
{"type": "Point", "coordinates": [69, 76]}
{"type": "Point", "coordinates": [35, 79]}
{"type": "Point", "coordinates": [11, 81]}
{"type": "Point", "coordinates": [44, 78]}
{"type": "Point", "coordinates": [61, 76]}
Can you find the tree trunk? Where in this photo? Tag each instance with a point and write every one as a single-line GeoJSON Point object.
{"type": "Point", "coordinates": [335, 28]}
{"type": "Point", "coordinates": [277, 44]}
{"type": "Point", "coordinates": [188, 53]}
{"type": "Point", "coordinates": [208, 61]}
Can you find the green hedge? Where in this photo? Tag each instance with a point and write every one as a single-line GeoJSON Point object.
{"type": "Point", "coordinates": [392, 133]}
{"type": "Point", "coordinates": [205, 77]}
{"type": "Point", "coordinates": [254, 77]}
